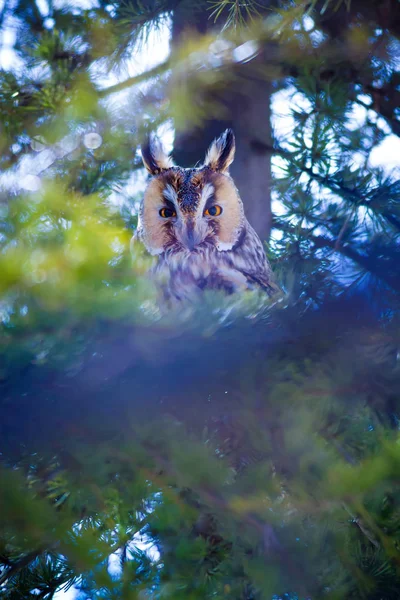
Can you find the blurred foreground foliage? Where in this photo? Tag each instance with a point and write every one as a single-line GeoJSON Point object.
{"type": "Point", "coordinates": [161, 468]}
{"type": "Point", "coordinates": [243, 448]}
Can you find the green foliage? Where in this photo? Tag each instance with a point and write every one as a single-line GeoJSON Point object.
{"type": "Point", "coordinates": [238, 13]}
{"type": "Point", "coordinates": [239, 449]}
{"type": "Point", "coordinates": [298, 491]}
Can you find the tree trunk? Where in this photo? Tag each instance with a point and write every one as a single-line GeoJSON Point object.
{"type": "Point", "coordinates": [246, 103]}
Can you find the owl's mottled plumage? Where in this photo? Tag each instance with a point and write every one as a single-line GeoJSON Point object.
{"type": "Point", "coordinates": [193, 220]}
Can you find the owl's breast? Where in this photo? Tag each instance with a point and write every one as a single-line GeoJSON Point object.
{"type": "Point", "coordinates": [182, 275]}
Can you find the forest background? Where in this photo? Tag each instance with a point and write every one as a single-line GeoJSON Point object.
{"type": "Point", "coordinates": [246, 448]}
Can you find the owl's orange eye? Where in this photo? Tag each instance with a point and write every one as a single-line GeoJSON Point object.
{"type": "Point", "coordinates": [213, 211]}
{"type": "Point", "coordinates": [167, 213]}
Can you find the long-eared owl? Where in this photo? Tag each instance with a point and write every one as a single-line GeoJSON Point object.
{"type": "Point", "coordinates": [193, 221]}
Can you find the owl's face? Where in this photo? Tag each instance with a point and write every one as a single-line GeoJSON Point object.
{"type": "Point", "coordinates": [191, 209]}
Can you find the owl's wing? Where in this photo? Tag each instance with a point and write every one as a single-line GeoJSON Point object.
{"type": "Point", "coordinates": [263, 281]}
{"type": "Point", "coordinates": [250, 260]}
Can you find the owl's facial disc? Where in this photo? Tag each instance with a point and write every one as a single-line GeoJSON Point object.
{"type": "Point", "coordinates": [187, 209]}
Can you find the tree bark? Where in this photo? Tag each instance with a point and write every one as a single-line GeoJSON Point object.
{"type": "Point", "coordinates": [246, 103]}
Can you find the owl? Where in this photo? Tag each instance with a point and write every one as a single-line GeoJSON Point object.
{"type": "Point", "coordinates": [193, 221]}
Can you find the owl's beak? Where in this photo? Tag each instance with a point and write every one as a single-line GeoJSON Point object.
{"type": "Point", "coordinates": [190, 235]}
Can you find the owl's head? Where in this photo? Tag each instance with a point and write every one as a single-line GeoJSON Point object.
{"type": "Point", "coordinates": [190, 209]}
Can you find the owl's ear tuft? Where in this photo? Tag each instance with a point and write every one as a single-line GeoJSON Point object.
{"type": "Point", "coordinates": [221, 152]}
{"type": "Point", "coordinates": [154, 157]}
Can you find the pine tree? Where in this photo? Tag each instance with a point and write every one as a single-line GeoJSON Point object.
{"type": "Point", "coordinates": [244, 449]}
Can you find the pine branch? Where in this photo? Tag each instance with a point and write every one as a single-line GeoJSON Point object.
{"type": "Point", "coordinates": [362, 527]}
{"type": "Point", "coordinates": [349, 194]}
{"type": "Point", "coordinates": [321, 241]}
{"type": "Point", "coordinates": [336, 187]}
{"type": "Point", "coordinates": [135, 80]}
{"type": "Point", "coordinates": [20, 564]}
